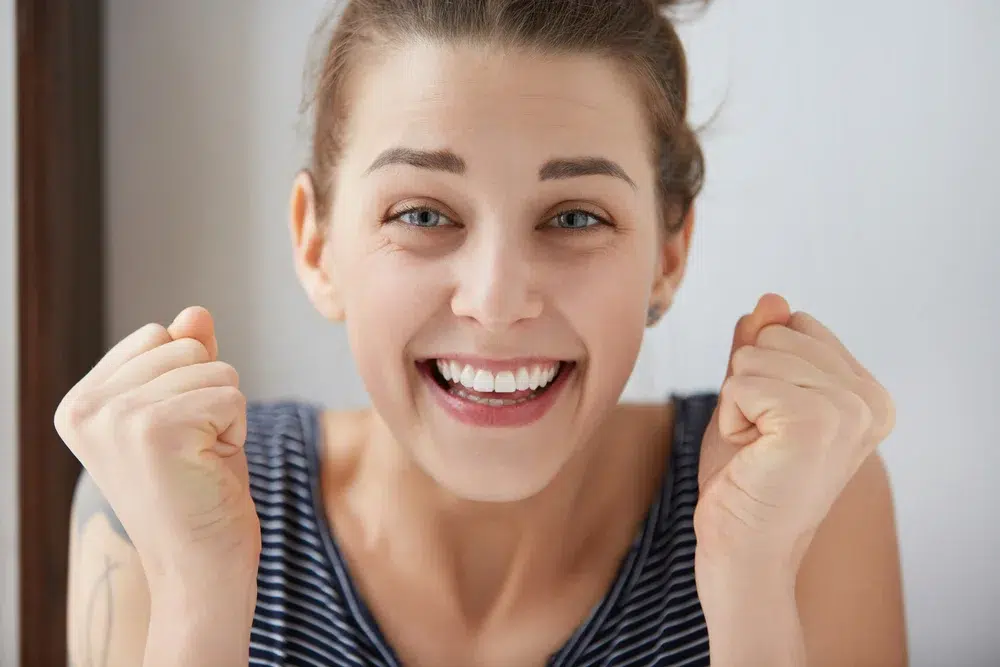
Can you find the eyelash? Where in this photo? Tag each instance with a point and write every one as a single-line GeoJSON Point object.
{"type": "Point", "coordinates": [397, 218]}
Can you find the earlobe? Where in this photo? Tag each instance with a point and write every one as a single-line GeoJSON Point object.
{"type": "Point", "coordinates": [654, 314]}
{"type": "Point", "coordinates": [309, 236]}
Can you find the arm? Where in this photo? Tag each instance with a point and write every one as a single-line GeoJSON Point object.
{"type": "Point", "coordinates": [849, 591]}
{"type": "Point", "coordinates": [845, 608]}
{"type": "Point", "coordinates": [113, 618]}
{"type": "Point", "coordinates": [108, 599]}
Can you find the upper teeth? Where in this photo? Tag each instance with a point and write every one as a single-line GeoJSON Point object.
{"type": "Point", "coordinates": [502, 382]}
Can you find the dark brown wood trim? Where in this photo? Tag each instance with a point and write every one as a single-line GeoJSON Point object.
{"type": "Point", "coordinates": [60, 287]}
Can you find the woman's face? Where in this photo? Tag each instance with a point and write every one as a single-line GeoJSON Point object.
{"type": "Point", "coordinates": [494, 247]}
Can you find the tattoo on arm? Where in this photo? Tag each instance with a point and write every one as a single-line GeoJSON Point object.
{"type": "Point", "coordinates": [88, 501]}
{"type": "Point", "coordinates": [96, 649]}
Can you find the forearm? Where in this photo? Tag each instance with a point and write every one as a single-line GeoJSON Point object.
{"type": "Point", "coordinates": [200, 626]}
{"type": "Point", "coordinates": [752, 618]}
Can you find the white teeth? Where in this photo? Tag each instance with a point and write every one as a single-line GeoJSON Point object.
{"type": "Point", "coordinates": [483, 382]}
{"type": "Point", "coordinates": [502, 382]}
{"type": "Point", "coordinates": [536, 378]}
{"type": "Point", "coordinates": [523, 379]}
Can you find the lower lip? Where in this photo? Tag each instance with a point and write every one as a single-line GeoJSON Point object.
{"type": "Point", "coordinates": [496, 416]}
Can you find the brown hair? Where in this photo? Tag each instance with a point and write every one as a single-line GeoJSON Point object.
{"type": "Point", "coordinates": [636, 33]}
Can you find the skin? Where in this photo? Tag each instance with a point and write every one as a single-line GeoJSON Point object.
{"type": "Point", "coordinates": [461, 538]}
{"type": "Point", "coordinates": [159, 425]}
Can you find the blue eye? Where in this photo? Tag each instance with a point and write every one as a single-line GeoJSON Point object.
{"type": "Point", "coordinates": [423, 217]}
{"type": "Point", "coordinates": [576, 220]}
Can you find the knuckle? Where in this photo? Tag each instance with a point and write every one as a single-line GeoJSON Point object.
{"type": "Point", "coordinates": [743, 358]}
{"type": "Point", "coordinates": [120, 406]}
{"type": "Point", "coordinates": [890, 415]}
{"type": "Point", "coordinates": [228, 374]}
{"type": "Point", "coordinates": [860, 411]}
{"type": "Point", "coordinates": [733, 384]}
{"type": "Point", "coordinates": [73, 411]}
{"type": "Point", "coordinates": [142, 426]}
{"type": "Point", "coordinates": [192, 351]}
{"type": "Point", "coordinates": [155, 333]}
{"type": "Point", "coordinates": [124, 419]}
{"type": "Point", "coordinates": [770, 336]}
{"type": "Point", "coordinates": [847, 412]}
{"type": "Point", "coordinates": [234, 396]}
{"type": "Point", "coordinates": [883, 407]}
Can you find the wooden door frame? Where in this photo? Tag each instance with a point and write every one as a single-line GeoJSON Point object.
{"type": "Point", "coordinates": [60, 287]}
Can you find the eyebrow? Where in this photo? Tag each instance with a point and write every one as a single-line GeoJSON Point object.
{"type": "Point", "coordinates": [443, 160]}
{"type": "Point", "coordinates": [448, 161]}
{"type": "Point", "coordinates": [582, 166]}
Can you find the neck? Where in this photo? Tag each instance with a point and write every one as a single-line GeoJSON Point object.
{"type": "Point", "coordinates": [489, 556]}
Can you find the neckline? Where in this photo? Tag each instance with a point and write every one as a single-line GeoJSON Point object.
{"type": "Point", "coordinates": [628, 571]}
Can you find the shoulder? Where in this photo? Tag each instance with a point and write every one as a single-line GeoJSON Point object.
{"type": "Point", "coordinates": [849, 586]}
{"type": "Point", "coordinates": [687, 411]}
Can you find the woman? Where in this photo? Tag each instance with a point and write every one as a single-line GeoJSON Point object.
{"type": "Point", "coordinates": [499, 201]}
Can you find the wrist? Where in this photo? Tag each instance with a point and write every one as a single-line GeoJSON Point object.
{"type": "Point", "coordinates": [196, 624]}
{"type": "Point", "coordinates": [751, 614]}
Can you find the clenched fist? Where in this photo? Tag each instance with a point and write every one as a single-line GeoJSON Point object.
{"type": "Point", "coordinates": [159, 423]}
{"type": "Point", "coordinates": [797, 417]}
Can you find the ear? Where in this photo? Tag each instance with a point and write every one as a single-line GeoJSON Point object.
{"type": "Point", "coordinates": [309, 246]}
{"type": "Point", "coordinates": [671, 265]}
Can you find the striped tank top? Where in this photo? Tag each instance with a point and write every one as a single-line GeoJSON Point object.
{"type": "Point", "coordinates": [309, 612]}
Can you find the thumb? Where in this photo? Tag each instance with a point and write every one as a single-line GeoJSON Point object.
{"type": "Point", "coordinates": [770, 309]}
{"type": "Point", "coordinates": [196, 322]}
{"type": "Point", "coordinates": [729, 429]}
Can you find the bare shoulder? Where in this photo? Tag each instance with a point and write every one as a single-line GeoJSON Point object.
{"type": "Point", "coordinates": [342, 440]}
{"type": "Point", "coordinates": [108, 599]}
{"type": "Point", "coordinates": [849, 588]}
{"type": "Point", "coordinates": [652, 421]}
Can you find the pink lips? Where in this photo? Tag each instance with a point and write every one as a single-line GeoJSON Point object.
{"type": "Point", "coordinates": [500, 416]}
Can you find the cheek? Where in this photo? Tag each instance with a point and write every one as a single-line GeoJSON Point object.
{"type": "Point", "coordinates": [607, 302]}
{"type": "Point", "coordinates": [610, 289]}
{"type": "Point", "coordinates": [389, 297]}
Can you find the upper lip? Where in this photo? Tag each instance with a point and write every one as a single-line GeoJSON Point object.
{"type": "Point", "coordinates": [497, 365]}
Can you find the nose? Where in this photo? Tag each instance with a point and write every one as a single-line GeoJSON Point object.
{"type": "Point", "coordinates": [496, 284]}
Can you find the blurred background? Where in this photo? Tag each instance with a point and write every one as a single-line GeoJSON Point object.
{"type": "Point", "coordinates": [852, 168]}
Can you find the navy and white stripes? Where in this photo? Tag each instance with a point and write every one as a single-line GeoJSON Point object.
{"type": "Point", "coordinates": [310, 613]}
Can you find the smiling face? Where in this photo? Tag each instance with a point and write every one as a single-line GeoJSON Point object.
{"type": "Point", "coordinates": [493, 246]}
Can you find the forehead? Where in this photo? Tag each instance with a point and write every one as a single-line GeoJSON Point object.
{"type": "Point", "coordinates": [511, 102]}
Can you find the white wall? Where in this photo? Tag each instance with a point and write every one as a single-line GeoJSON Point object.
{"type": "Point", "coordinates": [8, 330]}
{"type": "Point", "coordinates": [853, 170]}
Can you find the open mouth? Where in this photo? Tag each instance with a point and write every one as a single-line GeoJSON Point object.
{"type": "Point", "coordinates": [504, 388]}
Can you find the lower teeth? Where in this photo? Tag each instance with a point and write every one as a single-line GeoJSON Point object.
{"type": "Point", "coordinates": [493, 402]}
